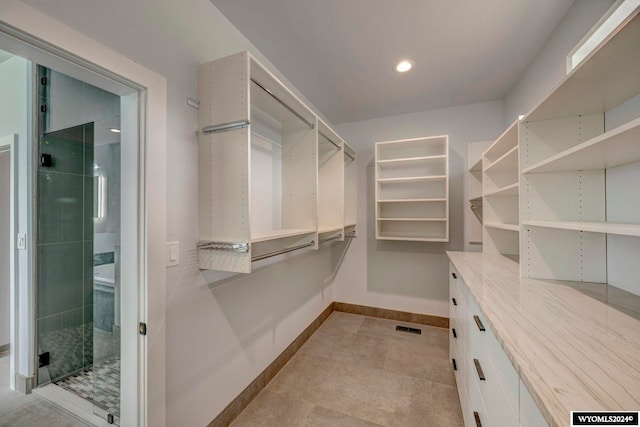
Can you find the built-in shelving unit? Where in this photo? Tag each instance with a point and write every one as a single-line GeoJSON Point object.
{"type": "Point", "coordinates": [474, 190]}
{"type": "Point", "coordinates": [271, 175]}
{"type": "Point", "coordinates": [501, 190]}
{"type": "Point", "coordinates": [350, 194]}
{"type": "Point", "coordinates": [580, 205]}
{"type": "Point", "coordinates": [412, 189]}
{"type": "Point", "coordinates": [330, 184]}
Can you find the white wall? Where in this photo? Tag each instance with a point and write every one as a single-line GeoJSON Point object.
{"type": "Point", "coordinates": [549, 66]}
{"type": "Point", "coordinates": [410, 276]}
{"type": "Point", "coordinates": [219, 336]}
{"type": "Point", "coordinates": [5, 232]}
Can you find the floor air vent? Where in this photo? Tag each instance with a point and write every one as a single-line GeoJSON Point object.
{"type": "Point", "coordinates": [408, 329]}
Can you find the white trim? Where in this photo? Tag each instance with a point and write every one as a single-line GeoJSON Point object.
{"type": "Point", "coordinates": [607, 25]}
{"type": "Point", "coordinates": [10, 143]}
{"type": "Point", "coordinates": [73, 47]}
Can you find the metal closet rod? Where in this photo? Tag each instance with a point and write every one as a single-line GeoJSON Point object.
{"type": "Point", "coordinates": [282, 251]}
{"type": "Point", "coordinates": [284, 104]}
{"type": "Point", "coordinates": [223, 127]}
{"type": "Point", "coordinates": [335, 144]}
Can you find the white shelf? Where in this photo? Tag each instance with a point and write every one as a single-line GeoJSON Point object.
{"type": "Point", "coordinates": [476, 199]}
{"type": "Point", "coordinates": [412, 189]}
{"type": "Point", "coordinates": [614, 148]}
{"type": "Point", "coordinates": [324, 230]}
{"type": "Point", "coordinates": [508, 227]}
{"type": "Point", "coordinates": [477, 166]}
{"type": "Point", "coordinates": [413, 239]}
{"type": "Point", "coordinates": [508, 190]}
{"type": "Point", "coordinates": [411, 200]}
{"type": "Point", "coordinates": [592, 227]}
{"type": "Point", "coordinates": [508, 161]}
{"type": "Point", "coordinates": [395, 162]}
{"type": "Point", "coordinates": [413, 219]}
{"type": "Point", "coordinates": [413, 178]}
{"type": "Point", "coordinates": [605, 79]}
{"type": "Point", "coordinates": [280, 234]}
{"type": "Point", "coordinates": [503, 144]}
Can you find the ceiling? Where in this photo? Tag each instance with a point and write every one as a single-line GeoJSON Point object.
{"type": "Point", "coordinates": [340, 54]}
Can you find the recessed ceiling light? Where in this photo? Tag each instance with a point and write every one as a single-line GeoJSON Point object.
{"type": "Point", "coordinates": [114, 130]}
{"type": "Point", "coordinates": [403, 66]}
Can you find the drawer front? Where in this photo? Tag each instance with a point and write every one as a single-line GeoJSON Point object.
{"type": "Point", "coordinates": [504, 371]}
{"type": "Point", "coordinates": [494, 397]}
{"type": "Point", "coordinates": [476, 404]}
{"type": "Point", "coordinates": [530, 415]}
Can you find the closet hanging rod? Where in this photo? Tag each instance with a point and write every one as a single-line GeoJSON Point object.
{"type": "Point", "coordinates": [282, 251]}
{"type": "Point", "coordinates": [328, 239]}
{"type": "Point", "coordinates": [335, 144]}
{"type": "Point", "coordinates": [225, 246]}
{"type": "Point", "coordinates": [284, 104]}
{"type": "Point", "coordinates": [224, 127]}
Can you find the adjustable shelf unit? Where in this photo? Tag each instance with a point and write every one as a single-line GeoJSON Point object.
{"type": "Point", "coordinates": [270, 173]}
{"type": "Point", "coordinates": [412, 189]}
{"type": "Point", "coordinates": [501, 190]}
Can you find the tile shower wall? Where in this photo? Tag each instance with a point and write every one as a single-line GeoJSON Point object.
{"type": "Point", "coordinates": [73, 111]}
{"type": "Point", "coordinates": [65, 251]}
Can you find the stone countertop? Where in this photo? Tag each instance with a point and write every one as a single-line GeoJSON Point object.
{"type": "Point", "coordinates": [572, 345]}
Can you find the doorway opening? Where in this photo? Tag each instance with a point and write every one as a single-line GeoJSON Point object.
{"type": "Point", "coordinates": [78, 240]}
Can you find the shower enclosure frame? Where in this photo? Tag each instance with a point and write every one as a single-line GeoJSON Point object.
{"type": "Point", "coordinates": [42, 40]}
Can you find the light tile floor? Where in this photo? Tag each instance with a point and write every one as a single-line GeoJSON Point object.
{"type": "Point", "coordinates": [359, 371]}
{"type": "Point", "coordinates": [21, 410]}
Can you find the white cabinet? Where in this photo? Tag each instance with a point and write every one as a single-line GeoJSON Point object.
{"type": "Point", "coordinates": [580, 206]}
{"type": "Point", "coordinates": [412, 189]}
{"type": "Point", "coordinates": [488, 385]}
{"type": "Point", "coordinates": [500, 181]}
{"type": "Point", "coordinates": [271, 176]}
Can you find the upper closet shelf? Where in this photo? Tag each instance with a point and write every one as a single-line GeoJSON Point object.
{"type": "Point", "coordinates": [508, 190]}
{"type": "Point", "coordinates": [605, 79]}
{"type": "Point", "coordinates": [614, 148]}
{"type": "Point", "coordinates": [593, 227]}
{"type": "Point", "coordinates": [394, 162]}
{"type": "Point", "coordinates": [414, 178]}
{"type": "Point", "coordinates": [508, 161]}
{"type": "Point", "coordinates": [477, 166]}
{"type": "Point", "coordinates": [280, 234]}
{"type": "Point", "coordinates": [503, 145]}
{"type": "Point", "coordinates": [508, 227]}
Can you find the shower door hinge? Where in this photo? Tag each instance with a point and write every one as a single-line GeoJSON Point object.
{"type": "Point", "coordinates": [142, 328]}
{"type": "Point", "coordinates": [44, 359]}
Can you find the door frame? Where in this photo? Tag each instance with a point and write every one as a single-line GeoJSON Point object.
{"type": "Point", "coordinates": [10, 143]}
{"type": "Point", "coordinates": [41, 39]}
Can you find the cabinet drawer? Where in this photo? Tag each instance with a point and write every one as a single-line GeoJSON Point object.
{"type": "Point", "coordinates": [530, 415]}
{"type": "Point", "coordinates": [494, 397]}
{"type": "Point", "coordinates": [503, 369]}
{"type": "Point", "coordinates": [476, 410]}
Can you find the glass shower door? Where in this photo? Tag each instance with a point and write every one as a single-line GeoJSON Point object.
{"type": "Point", "coordinates": [106, 270]}
{"type": "Point", "coordinates": [78, 242]}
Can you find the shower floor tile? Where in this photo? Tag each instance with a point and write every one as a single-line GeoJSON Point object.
{"type": "Point", "coordinates": [107, 385]}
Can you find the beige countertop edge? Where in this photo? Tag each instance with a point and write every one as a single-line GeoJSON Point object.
{"type": "Point", "coordinates": [552, 399]}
